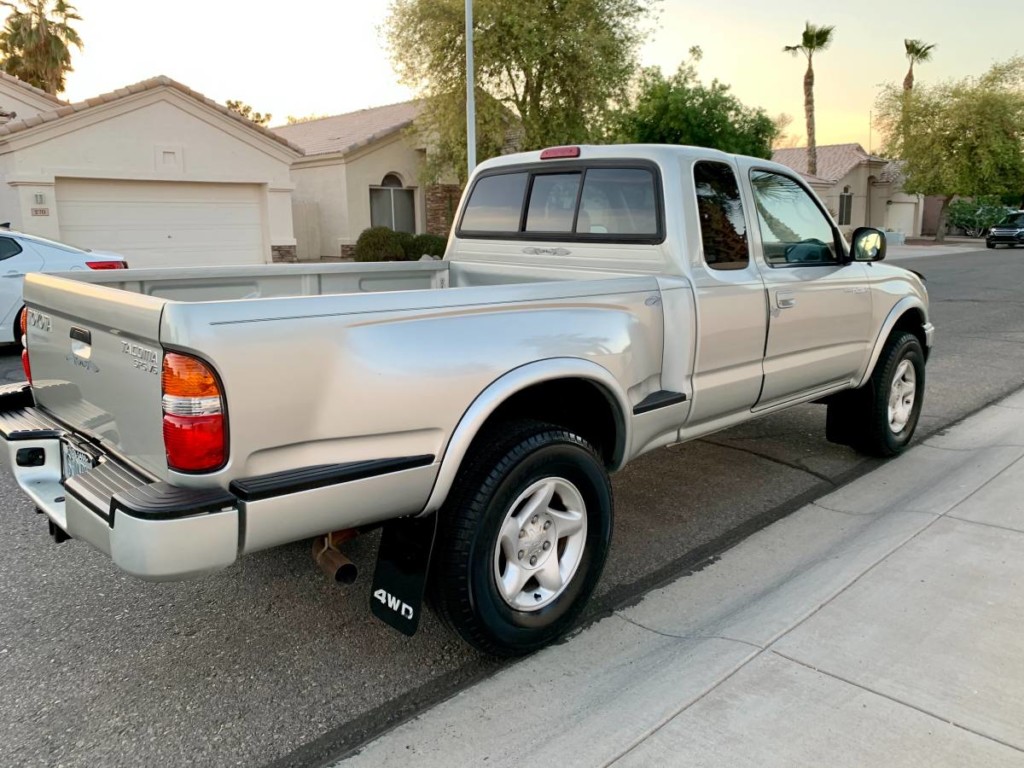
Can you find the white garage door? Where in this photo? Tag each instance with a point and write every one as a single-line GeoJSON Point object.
{"type": "Point", "coordinates": [161, 224]}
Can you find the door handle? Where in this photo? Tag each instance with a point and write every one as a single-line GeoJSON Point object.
{"type": "Point", "coordinates": [785, 300]}
{"type": "Point", "coordinates": [12, 273]}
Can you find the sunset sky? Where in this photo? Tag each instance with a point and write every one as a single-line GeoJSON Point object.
{"type": "Point", "coordinates": [327, 57]}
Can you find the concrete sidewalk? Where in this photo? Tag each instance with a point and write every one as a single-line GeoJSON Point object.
{"type": "Point", "coordinates": [882, 625]}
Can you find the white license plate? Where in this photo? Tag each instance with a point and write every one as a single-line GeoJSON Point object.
{"type": "Point", "coordinates": [74, 461]}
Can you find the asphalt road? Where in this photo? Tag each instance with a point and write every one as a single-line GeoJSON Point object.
{"type": "Point", "coordinates": [268, 663]}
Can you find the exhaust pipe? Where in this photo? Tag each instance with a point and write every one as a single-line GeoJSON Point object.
{"type": "Point", "coordinates": [338, 567]}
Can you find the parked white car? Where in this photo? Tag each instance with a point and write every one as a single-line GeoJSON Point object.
{"type": "Point", "coordinates": [21, 254]}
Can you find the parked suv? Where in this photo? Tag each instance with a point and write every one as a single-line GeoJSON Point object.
{"type": "Point", "coordinates": [1009, 231]}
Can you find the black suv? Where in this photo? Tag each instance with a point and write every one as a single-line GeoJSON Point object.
{"type": "Point", "coordinates": [1009, 231]}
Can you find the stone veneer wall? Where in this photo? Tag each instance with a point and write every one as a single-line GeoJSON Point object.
{"type": "Point", "coordinates": [283, 254]}
{"type": "Point", "coordinates": [442, 202]}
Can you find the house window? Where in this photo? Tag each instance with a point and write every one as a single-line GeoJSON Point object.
{"type": "Point", "coordinates": [392, 205]}
{"type": "Point", "coordinates": [845, 207]}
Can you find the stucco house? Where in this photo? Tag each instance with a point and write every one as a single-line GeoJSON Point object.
{"type": "Point", "coordinates": [362, 169]}
{"type": "Point", "coordinates": [860, 189]}
{"type": "Point", "coordinates": [155, 171]}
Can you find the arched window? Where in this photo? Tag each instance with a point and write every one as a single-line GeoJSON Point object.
{"type": "Point", "coordinates": [393, 205]}
{"type": "Point", "coordinates": [845, 206]}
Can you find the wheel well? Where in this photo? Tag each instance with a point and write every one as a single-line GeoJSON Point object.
{"type": "Point", "coordinates": [579, 405]}
{"type": "Point", "coordinates": [912, 321]}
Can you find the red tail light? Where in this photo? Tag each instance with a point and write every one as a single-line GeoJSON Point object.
{"type": "Point", "coordinates": [195, 437]}
{"type": "Point", "coordinates": [25, 364]}
{"type": "Point", "coordinates": [107, 264]}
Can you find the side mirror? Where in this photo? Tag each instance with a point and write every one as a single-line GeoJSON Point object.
{"type": "Point", "coordinates": [868, 244]}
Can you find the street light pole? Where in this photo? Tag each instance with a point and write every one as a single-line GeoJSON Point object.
{"type": "Point", "coordinates": [470, 94]}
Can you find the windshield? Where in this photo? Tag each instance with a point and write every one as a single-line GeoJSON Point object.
{"type": "Point", "coordinates": [1013, 220]}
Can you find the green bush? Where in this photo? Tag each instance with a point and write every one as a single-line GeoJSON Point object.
{"type": "Point", "coordinates": [380, 244]}
{"type": "Point", "coordinates": [406, 240]}
{"type": "Point", "coordinates": [975, 216]}
{"type": "Point", "coordinates": [428, 245]}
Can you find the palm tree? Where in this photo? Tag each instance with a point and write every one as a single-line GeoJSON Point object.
{"type": "Point", "coordinates": [918, 52]}
{"type": "Point", "coordinates": [36, 42]}
{"type": "Point", "coordinates": [814, 39]}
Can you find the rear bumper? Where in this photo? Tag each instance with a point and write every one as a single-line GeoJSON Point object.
{"type": "Point", "coordinates": [149, 529]}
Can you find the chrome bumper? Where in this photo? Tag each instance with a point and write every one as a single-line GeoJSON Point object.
{"type": "Point", "coordinates": [149, 529]}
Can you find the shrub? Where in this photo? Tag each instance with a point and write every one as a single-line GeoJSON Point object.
{"type": "Point", "coordinates": [406, 241]}
{"type": "Point", "coordinates": [975, 216]}
{"type": "Point", "coordinates": [428, 245]}
{"type": "Point", "coordinates": [380, 244]}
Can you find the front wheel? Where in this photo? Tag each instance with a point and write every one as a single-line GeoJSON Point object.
{"type": "Point", "coordinates": [880, 418]}
{"type": "Point", "coordinates": [522, 539]}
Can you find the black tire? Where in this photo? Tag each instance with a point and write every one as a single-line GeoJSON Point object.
{"type": "Point", "coordinates": [861, 418]}
{"type": "Point", "coordinates": [464, 589]}
{"type": "Point", "coordinates": [17, 327]}
{"type": "Point", "coordinates": [990, 245]}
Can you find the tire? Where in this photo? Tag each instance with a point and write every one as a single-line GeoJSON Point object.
{"type": "Point", "coordinates": [880, 418]}
{"type": "Point", "coordinates": [990, 245]}
{"type": "Point", "coordinates": [507, 582]}
{"type": "Point", "coordinates": [17, 327]}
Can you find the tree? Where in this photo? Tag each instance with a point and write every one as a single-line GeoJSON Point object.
{"type": "Point", "coordinates": [293, 120]}
{"type": "Point", "coordinates": [549, 68]}
{"type": "Point", "coordinates": [814, 39]}
{"type": "Point", "coordinates": [36, 42]}
{"type": "Point", "coordinates": [249, 113]}
{"type": "Point", "coordinates": [918, 52]}
{"type": "Point", "coordinates": [682, 110]}
{"type": "Point", "coordinates": [963, 137]}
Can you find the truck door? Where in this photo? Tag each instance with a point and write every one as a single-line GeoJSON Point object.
{"type": "Point", "coordinates": [730, 300]}
{"type": "Point", "coordinates": [819, 322]}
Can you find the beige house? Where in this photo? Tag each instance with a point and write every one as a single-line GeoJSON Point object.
{"type": "Point", "coordinates": [858, 188]}
{"type": "Point", "coordinates": [154, 171]}
{"type": "Point", "coordinates": [362, 169]}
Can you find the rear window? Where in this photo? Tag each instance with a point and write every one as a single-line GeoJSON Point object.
{"type": "Point", "coordinates": [496, 203]}
{"type": "Point", "coordinates": [604, 204]}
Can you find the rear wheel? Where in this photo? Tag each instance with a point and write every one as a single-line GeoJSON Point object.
{"type": "Point", "coordinates": [522, 539]}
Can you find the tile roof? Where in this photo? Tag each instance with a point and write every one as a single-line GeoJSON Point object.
{"type": "Point", "coordinates": [834, 160]}
{"type": "Point", "coordinates": [30, 88]}
{"type": "Point", "coordinates": [345, 133]}
{"type": "Point", "coordinates": [65, 110]}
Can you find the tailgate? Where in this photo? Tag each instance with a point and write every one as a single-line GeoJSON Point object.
{"type": "Point", "coordinates": [96, 359]}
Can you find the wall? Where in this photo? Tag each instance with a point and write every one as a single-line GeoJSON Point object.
{"type": "Point", "coordinates": [321, 182]}
{"type": "Point", "coordinates": [366, 168]}
{"type": "Point", "coordinates": [14, 98]}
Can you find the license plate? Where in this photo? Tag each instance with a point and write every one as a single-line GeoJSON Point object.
{"type": "Point", "coordinates": [74, 461]}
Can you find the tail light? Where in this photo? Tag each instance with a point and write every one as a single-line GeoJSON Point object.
{"type": "Point", "coordinates": [195, 434]}
{"type": "Point", "coordinates": [107, 264]}
{"type": "Point", "coordinates": [552, 153]}
{"type": "Point", "coordinates": [24, 346]}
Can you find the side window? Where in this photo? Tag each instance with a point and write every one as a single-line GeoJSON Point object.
{"type": "Point", "coordinates": [723, 229]}
{"type": "Point", "coordinates": [8, 248]}
{"type": "Point", "coordinates": [552, 202]}
{"type": "Point", "coordinates": [495, 204]}
{"type": "Point", "coordinates": [793, 228]}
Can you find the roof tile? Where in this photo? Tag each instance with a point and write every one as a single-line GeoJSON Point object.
{"type": "Point", "coordinates": [347, 132]}
{"type": "Point", "coordinates": [834, 160]}
{"type": "Point", "coordinates": [107, 98]}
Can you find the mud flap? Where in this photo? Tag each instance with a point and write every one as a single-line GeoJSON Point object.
{"type": "Point", "coordinates": [400, 578]}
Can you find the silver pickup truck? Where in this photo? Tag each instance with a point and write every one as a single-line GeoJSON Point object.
{"type": "Point", "coordinates": [594, 303]}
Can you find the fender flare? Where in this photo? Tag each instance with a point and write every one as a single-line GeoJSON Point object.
{"type": "Point", "coordinates": [500, 390]}
{"type": "Point", "coordinates": [902, 306]}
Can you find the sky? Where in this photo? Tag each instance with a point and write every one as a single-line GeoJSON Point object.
{"type": "Point", "coordinates": [328, 56]}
